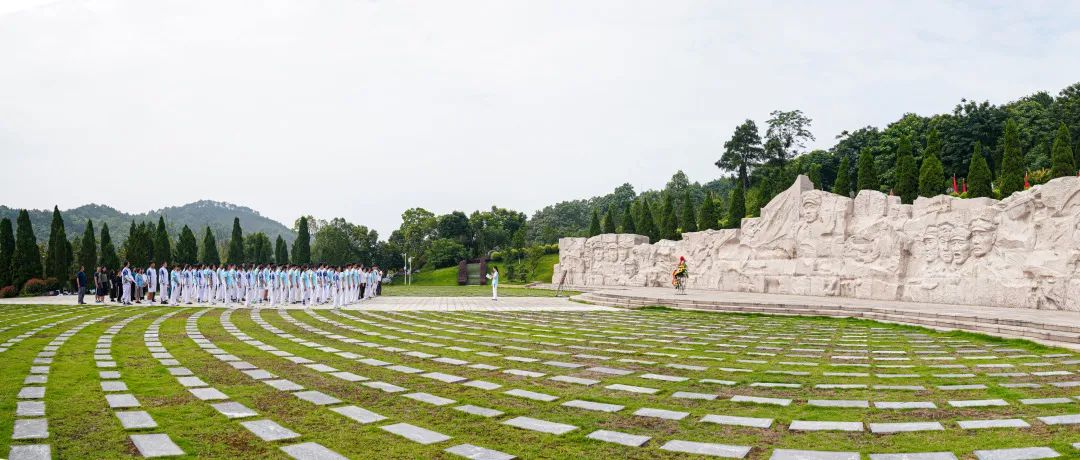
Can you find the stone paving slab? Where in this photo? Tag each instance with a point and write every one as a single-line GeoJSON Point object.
{"type": "Point", "coordinates": [738, 421]}
{"type": "Point", "coordinates": [760, 400]}
{"type": "Point", "coordinates": [904, 427]}
{"type": "Point", "coordinates": [477, 410]}
{"type": "Point", "coordinates": [359, 414]}
{"type": "Point", "coordinates": [30, 452]}
{"type": "Point", "coordinates": [661, 413]}
{"type": "Point", "coordinates": [593, 406]}
{"type": "Point", "coordinates": [806, 425]}
{"type": "Point", "coordinates": [31, 428]}
{"type": "Point", "coordinates": [208, 394]}
{"type": "Point", "coordinates": [574, 380]}
{"type": "Point", "coordinates": [121, 401]}
{"type": "Point", "coordinates": [915, 456]}
{"type": "Point", "coordinates": [705, 448]}
{"type": "Point", "coordinates": [269, 430]}
{"type": "Point", "coordinates": [1070, 419]}
{"type": "Point", "coordinates": [483, 385]}
{"type": "Point", "coordinates": [543, 426]}
{"type": "Point", "coordinates": [786, 454]}
{"type": "Point", "coordinates": [531, 395]}
{"type": "Point", "coordinates": [317, 397]}
{"type": "Point", "coordinates": [415, 433]}
{"type": "Point", "coordinates": [839, 403]}
{"type": "Point", "coordinates": [135, 420]}
{"type": "Point", "coordinates": [979, 403]}
{"type": "Point", "coordinates": [156, 445]}
{"type": "Point", "coordinates": [430, 399]}
{"type": "Point", "coordinates": [234, 410]}
{"type": "Point", "coordinates": [30, 409]}
{"type": "Point", "coordinates": [632, 389]}
{"type": "Point", "coordinates": [472, 452]}
{"type": "Point", "coordinates": [311, 451]}
{"type": "Point", "coordinates": [626, 439]}
{"type": "Point", "coordinates": [1025, 453]}
{"type": "Point", "coordinates": [998, 423]}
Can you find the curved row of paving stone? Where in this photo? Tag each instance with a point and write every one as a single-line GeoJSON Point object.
{"type": "Point", "coordinates": [7, 344]}
{"type": "Point", "coordinates": [31, 424]}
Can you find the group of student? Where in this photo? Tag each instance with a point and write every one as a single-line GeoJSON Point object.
{"type": "Point", "coordinates": [249, 284]}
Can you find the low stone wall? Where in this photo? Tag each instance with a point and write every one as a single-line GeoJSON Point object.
{"type": "Point", "coordinates": [1022, 252]}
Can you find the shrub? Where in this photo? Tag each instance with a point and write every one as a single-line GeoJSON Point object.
{"type": "Point", "coordinates": [34, 287]}
{"type": "Point", "coordinates": [52, 284]}
{"type": "Point", "coordinates": [1040, 176]}
{"type": "Point", "coordinates": [8, 292]}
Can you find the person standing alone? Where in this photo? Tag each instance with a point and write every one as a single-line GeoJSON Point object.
{"type": "Point", "coordinates": [80, 281]}
{"type": "Point", "coordinates": [126, 277]}
{"type": "Point", "coordinates": [494, 277]}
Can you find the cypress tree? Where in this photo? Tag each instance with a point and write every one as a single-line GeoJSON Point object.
{"type": "Point", "coordinates": [301, 249]}
{"type": "Point", "coordinates": [907, 175]}
{"type": "Point", "coordinates": [108, 250]}
{"type": "Point", "coordinates": [689, 219]}
{"type": "Point", "coordinates": [1011, 176]}
{"type": "Point", "coordinates": [931, 177]}
{"type": "Point", "coordinates": [707, 218]}
{"type": "Point", "coordinates": [1062, 154]}
{"type": "Point", "coordinates": [7, 250]}
{"type": "Point", "coordinates": [209, 249]}
{"type": "Point", "coordinates": [162, 247]}
{"type": "Point", "coordinates": [669, 226]}
{"type": "Point", "coordinates": [842, 185]}
{"type": "Point", "coordinates": [139, 247]}
{"type": "Point", "coordinates": [187, 249]}
{"type": "Point", "coordinates": [978, 176]}
{"type": "Point", "coordinates": [609, 221]}
{"type": "Point", "coordinates": [594, 224]}
{"type": "Point", "coordinates": [88, 247]}
{"type": "Point", "coordinates": [867, 178]}
{"type": "Point", "coordinates": [58, 254]}
{"type": "Point", "coordinates": [628, 219]}
{"type": "Point", "coordinates": [26, 260]}
{"type": "Point", "coordinates": [647, 226]}
{"type": "Point", "coordinates": [236, 243]}
{"type": "Point", "coordinates": [736, 208]}
{"type": "Point", "coordinates": [281, 251]}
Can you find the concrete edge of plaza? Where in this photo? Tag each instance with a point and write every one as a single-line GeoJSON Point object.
{"type": "Point", "coordinates": [1048, 327]}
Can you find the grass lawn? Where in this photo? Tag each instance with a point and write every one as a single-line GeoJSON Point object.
{"type": "Point", "coordinates": [468, 291]}
{"type": "Point", "coordinates": [718, 355]}
{"type": "Point", "coordinates": [448, 276]}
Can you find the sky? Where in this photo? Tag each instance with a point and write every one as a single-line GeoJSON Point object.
{"type": "Point", "coordinates": [362, 109]}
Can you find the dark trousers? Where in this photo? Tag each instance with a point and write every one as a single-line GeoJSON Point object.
{"type": "Point", "coordinates": [82, 293]}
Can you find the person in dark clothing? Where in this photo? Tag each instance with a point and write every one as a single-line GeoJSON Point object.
{"type": "Point", "coordinates": [114, 293]}
{"type": "Point", "coordinates": [80, 283]}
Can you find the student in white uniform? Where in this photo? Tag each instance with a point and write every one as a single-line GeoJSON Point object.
{"type": "Point", "coordinates": [163, 282]}
{"type": "Point", "coordinates": [151, 282]}
{"type": "Point", "coordinates": [126, 277]}
{"type": "Point", "coordinates": [174, 292]}
{"type": "Point", "coordinates": [494, 277]}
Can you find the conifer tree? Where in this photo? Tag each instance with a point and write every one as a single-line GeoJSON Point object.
{"type": "Point", "coordinates": [108, 250]}
{"type": "Point", "coordinates": [162, 246]}
{"type": "Point", "coordinates": [867, 178]}
{"type": "Point", "coordinates": [736, 208]}
{"type": "Point", "coordinates": [58, 254]}
{"type": "Point", "coordinates": [88, 248]}
{"type": "Point", "coordinates": [978, 176]}
{"type": "Point", "coordinates": [187, 249]}
{"type": "Point", "coordinates": [609, 221]}
{"type": "Point", "coordinates": [281, 251]}
{"type": "Point", "coordinates": [7, 251]}
{"type": "Point", "coordinates": [689, 219]}
{"type": "Point", "coordinates": [301, 250]}
{"type": "Point", "coordinates": [907, 175]}
{"type": "Point", "coordinates": [1011, 176]}
{"type": "Point", "coordinates": [209, 254]}
{"type": "Point", "coordinates": [842, 184]}
{"type": "Point", "coordinates": [594, 224]}
{"type": "Point", "coordinates": [707, 215]}
{"type": "Point", "coordinates": [628, 219]}
{"type": "Point", "coordinates": [236, 244]}
{"type": "Point", "coordinates": [647, 226]}
{"type": "Point", "coordinates": [1062, 155]}
{"type": "Point", "coordinates": [931, 177]}
{"type": "Point", "coordinates": [139, 247]}
{"type": "Point", "coordinates": [26, 260]}
{"type": "Point", "coordinates": [669, 225]}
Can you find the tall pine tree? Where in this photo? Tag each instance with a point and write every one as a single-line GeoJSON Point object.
{"type": "Point", "coordinates": [187, 249]}
{"type": "Point", "coordinates": [1062, 155]}
{"type": "Point", "coordinates": [108, 250]}
{"type": "Point", "coordinates": [26, 260]}
{"type": "Point", "coordinates": [236, 243]}
{"type": "Point", "coordinates": [736, 208]}
{"type": "Point", "coordinates": [647, 226]}
{"type": "Point", "coordinates": [58, 254]}
{"type": "Point", "coordinates": [628, 219]}
{"type": "Point", "coordinates": [708, 219]}
{"type": "Point", "coordinates": [907, 174]}
{"type": "Point", "coordinates": [162, 246]}
{"type": "Point", "coordinates": [139, 247]}
{"type": "Point", "coordinates": [594, 224]}
{"type": "Point", "coordinates": [301, 249]}
{"type": "Point", "coordinates": [978, 176]}
{"type": "Point", "coordinates": [88, 248]}
{"type": "Point", "coordinates": [689, 218]}
{"type": "Point", "coordinates": [842, 185]}
{"type": "Point", "coordinates": [209, 254]}
{"type": "Point", "coordinates": [281, 251]}
{"type": "Point", "coordinates": [1011, 176]}
{"type": "Point", "coordinates": [7, 251]}
{"type": "Point", "coordinates": [609, 221]}
{"type": "Point", "coordinates": [867, 173]}
{"type": "Point", "coordinates": [669, 224]}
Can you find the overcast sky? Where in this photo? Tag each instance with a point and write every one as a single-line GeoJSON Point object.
{"type": "Point", "coordinates": [361, 109]}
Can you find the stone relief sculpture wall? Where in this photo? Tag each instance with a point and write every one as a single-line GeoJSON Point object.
{"type": "Point", "coordinates": [1023, 251]}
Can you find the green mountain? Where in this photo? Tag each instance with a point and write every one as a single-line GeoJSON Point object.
{"type": "Point", "coordinates": [197, 215]}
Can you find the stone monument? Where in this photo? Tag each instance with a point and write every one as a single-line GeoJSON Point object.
{"type": "Point", "coordinates": [1022, 252]}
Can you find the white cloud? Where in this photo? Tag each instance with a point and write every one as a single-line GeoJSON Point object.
{"type": "Point", "coordinates": [363, 109]}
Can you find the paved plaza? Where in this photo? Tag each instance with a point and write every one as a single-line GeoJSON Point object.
{"type": "Point", "coordinates": [526, 378]}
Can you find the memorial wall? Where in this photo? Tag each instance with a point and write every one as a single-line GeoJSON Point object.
{"type": "Point", "coordinates": [1021, 252]}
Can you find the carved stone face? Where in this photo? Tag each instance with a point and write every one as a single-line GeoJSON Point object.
{"type": "Point", "coordinates": [959, 247]}
{"type": "Point", "coordinates": [930, 244]}
{"type": "Point", "coordinates": [983, 237]}
{"type": "Point", "coordinates": [944, 235]}
{"type": "Point", "coordinates": [810, 209]}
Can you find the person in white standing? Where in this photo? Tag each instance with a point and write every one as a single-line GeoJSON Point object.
{"type": "Point", "coordinates": [126, 278]}
{"type": "Point", "coordinates": [494, 277]}
{"type": "Point", "coordinates": [163, 282]}
{"type": "Point", "coordinates": [151, 282]}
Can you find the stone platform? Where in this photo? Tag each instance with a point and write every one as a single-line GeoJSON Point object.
{"type": "Point", "coordinates": [1059, 328]}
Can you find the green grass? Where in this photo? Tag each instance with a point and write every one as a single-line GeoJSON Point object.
{"type": "Point", "coordinates": [82, 426]}
{"type": "Point", "coordinates": [467, 291]}
{"type": "Point", "coordinates": [448, 276]}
